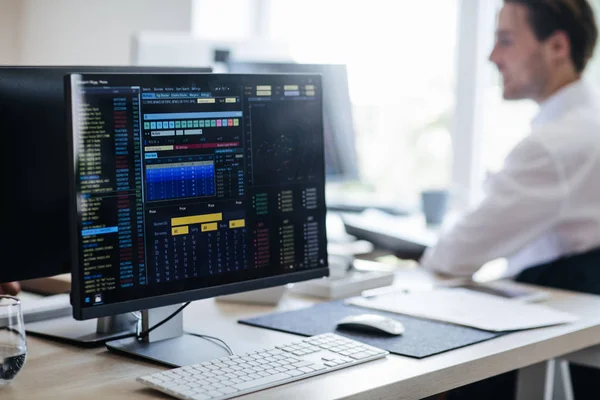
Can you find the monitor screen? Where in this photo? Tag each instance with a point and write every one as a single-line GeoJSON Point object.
{"type": "Point", "coordinates": [35, 165]}
{"type": "Point", "coordinates": [191, 186]}
{"type": "Point", "coordinates": [340, 151]}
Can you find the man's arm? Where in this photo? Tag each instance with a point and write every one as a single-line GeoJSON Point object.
{"type": "Point", "coordinates": [523, 200]}
{"type": "Point", "coordinates": [11, 288]}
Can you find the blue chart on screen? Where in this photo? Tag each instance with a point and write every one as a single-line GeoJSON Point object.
{"type": "Point", "coordinates": [192, 177]}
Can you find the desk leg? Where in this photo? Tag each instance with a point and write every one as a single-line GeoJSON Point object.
{"type": "Point", "coordinates": [563, 389]}
{"type": "Point", "coordinates": [536, 381]}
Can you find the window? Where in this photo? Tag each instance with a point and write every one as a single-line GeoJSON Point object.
{"type": "Point", "coordinates": [400, 61]}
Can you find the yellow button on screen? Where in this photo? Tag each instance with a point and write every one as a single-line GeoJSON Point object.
{"type": "Point", "coordinates": [237, 223]}
{"type": "Point", "coordinates": [209, 227]}
{"type": "Point", "coordinates": [180, 230]}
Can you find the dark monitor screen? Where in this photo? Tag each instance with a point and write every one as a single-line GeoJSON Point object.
{"type": "Point", "coordinates": [35, 165]}
{"type": "Point", "coordinates": [340, 150]}
{"type": "Point", "coordinates": [191, 186]}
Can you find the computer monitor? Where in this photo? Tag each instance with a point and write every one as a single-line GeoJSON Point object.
{"type": "Point", "coordinates": [340, 151]}
{"type": "Point", "coordinates": [192, 186]}
{"type": "Point", "coordinates": [35, 165]}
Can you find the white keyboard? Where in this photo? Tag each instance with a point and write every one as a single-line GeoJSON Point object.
{"type": "Point", "coordinates": [232, 376]}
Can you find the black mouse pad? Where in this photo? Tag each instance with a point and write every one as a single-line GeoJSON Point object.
{"type": "Point", "coordinates": [422, 338]}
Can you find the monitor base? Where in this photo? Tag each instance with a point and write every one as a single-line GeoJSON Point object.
{"type": "Point", "coordinates": [90, 333]}
{"type": "Point", "coordinates": [175, 352]}
{"type": "Point", "coordinates": [168, 344]}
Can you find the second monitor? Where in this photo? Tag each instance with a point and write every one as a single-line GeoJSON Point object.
{"type": "Point", "coordinates": [192, 186]}
{"type": "Point", "coordinates": [341, 162]}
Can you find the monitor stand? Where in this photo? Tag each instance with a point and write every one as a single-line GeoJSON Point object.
{"type": "Point", "coordinates": [90, 333]}
{"type": "Point", "coordinates": [168, 344]}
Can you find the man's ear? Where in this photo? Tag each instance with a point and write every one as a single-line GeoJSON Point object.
{"type": "Point", "coordinates": [559, 47]}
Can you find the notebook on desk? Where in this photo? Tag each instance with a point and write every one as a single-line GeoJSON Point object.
{"type": "Point", "coordinates": [467, 308]}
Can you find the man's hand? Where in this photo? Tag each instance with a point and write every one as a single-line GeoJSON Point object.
{"type": "Point", "coordinates": [11, 288]}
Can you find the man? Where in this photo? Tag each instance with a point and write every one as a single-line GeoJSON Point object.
{"type": "Point", "coordinates": [11, 288]}
{"type": "Point", "coordinates": [545, 202]}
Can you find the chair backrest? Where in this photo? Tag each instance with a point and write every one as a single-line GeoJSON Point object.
{"type": "Point", "coordinates": [578, 272]}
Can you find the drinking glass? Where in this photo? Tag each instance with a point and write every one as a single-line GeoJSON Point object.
{"type": "Point", "coordinates": [13, 344]}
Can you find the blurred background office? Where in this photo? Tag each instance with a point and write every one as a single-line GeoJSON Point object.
{"type": "Point", "coordinates": [427, 106]}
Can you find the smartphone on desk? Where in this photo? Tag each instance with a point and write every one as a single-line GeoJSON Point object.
{"type": "Point", "coordinates": [508, 292]}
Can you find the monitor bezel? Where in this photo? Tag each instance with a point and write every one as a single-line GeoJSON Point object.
{"type": "Point", "coordinates": [105, 310]}
{"type": "Point", "coordinates": [12, 79]}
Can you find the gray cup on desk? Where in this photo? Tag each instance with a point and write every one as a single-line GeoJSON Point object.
{"type": "Point", "coordinates": [434, 204]}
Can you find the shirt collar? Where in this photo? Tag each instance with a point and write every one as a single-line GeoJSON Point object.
{"type": "Point", "coordinates": [566, 98]}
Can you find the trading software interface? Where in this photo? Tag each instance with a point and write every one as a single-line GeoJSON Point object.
{"type": "Point", "coordinates": [191, 181]}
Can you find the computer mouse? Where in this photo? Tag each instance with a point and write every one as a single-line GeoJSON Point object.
{"type": "Point", "coordinates": [372, 323]}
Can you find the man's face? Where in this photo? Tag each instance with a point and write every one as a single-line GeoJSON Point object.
{"type": "Point", "coordinates": [519, 56]}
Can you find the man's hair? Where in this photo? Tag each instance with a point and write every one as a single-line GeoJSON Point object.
{"type": "Point", "coordinates": [574, 17]}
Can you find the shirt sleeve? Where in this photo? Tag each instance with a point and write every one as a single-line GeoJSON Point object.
{"type": "Point", "coordinates": [522, 201]}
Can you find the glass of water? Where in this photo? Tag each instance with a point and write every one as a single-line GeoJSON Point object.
{"type": "Point", "coordinates": [13, 345]}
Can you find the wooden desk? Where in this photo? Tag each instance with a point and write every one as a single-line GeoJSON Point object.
{"type": "Point", "coordinates": [65, 372]}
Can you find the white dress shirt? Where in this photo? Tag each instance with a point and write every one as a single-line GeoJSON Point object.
{"type": "Point", "coordinates": [545, 201]}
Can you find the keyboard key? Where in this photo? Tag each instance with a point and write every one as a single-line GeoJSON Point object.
{"type": "Point", "coordinates": [360, 356]}
{"type": "Point", "coordinates": [153, 381]}
{"type": "Point", "coordinates": [295, 372]}
{"type": "Point", "coordinates": [263, 381]}
{"type": "Point", "coordinates": [200, 396]}
{"type": "Point", "coordinates": [228, 390]}
{"type": "Point", "coordinates": [303, 364]}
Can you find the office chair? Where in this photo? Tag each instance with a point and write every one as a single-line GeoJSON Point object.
{"type": "Point", "coordinates": [579, 273]}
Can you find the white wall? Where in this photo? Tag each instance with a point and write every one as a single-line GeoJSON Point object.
{"type": "Point", "coordinates": [91, 31]}
{"type": "Point", "coordinates": [239, 18]}
{"type": "Point", "coordinates": [10, 14]}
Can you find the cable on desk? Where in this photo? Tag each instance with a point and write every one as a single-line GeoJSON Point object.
{"type": "Point", "coordinates": [219, 342]}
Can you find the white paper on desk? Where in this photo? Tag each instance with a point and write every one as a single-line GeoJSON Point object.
{"type": "Point", "coordinates": [467, 308]}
